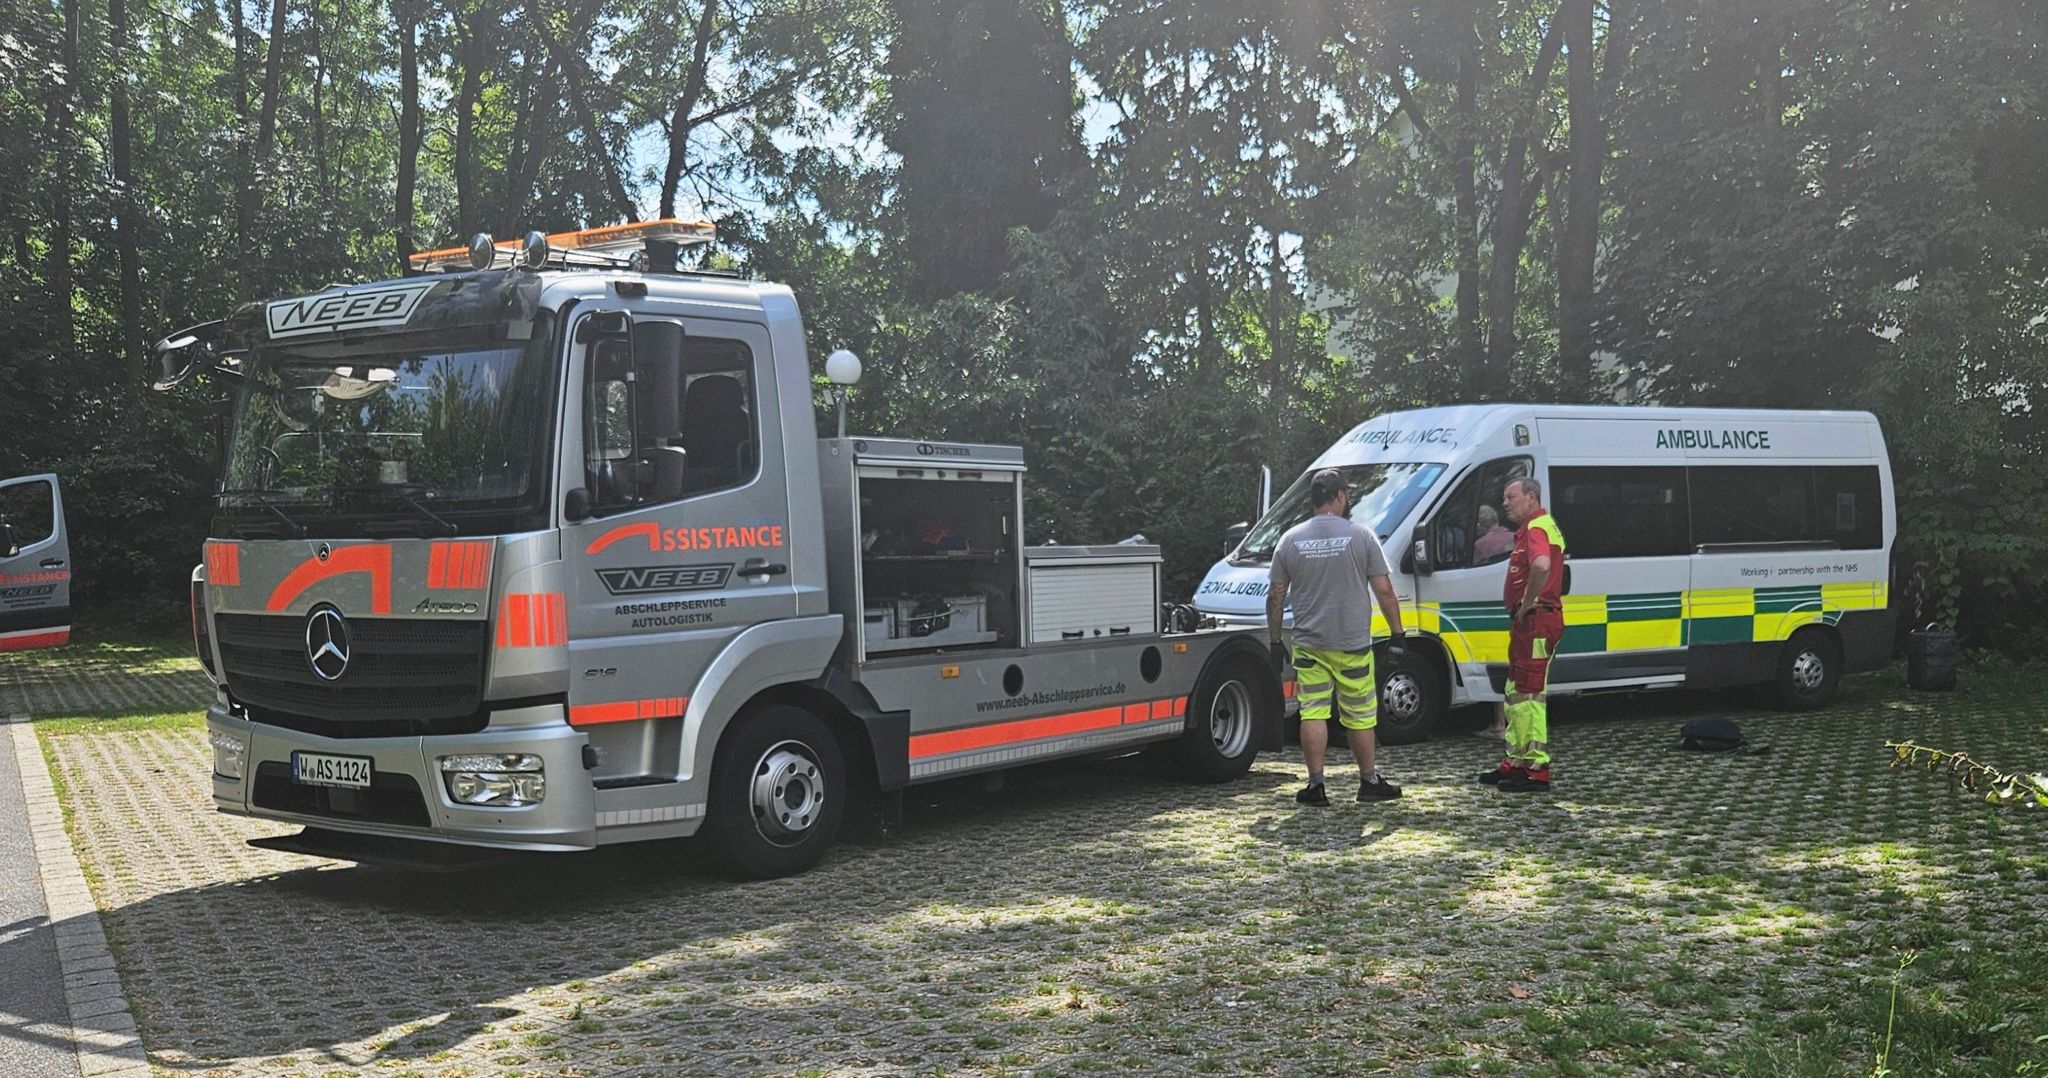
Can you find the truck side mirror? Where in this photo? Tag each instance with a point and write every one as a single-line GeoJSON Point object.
{"type": "Point", "coordinates": [658, 407]}
{"type": "Point", "coordinates": [187, 352]}
{"type": "Point", "coordinates": [1234, 535]}
{"type": "Point", "coordinates": [576, 505]}
{"type": "Point", "coordinates": [9, 545]}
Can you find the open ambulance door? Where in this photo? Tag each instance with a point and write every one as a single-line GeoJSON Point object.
{"type": "Point", "coordinates": [35, 565]}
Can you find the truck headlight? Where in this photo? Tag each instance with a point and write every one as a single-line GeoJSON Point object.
{"type": "Point", "coordinates": [229, 751]}
{"type": "Point", "coordinates": [493, 779]}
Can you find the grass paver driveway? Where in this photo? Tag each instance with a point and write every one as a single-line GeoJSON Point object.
{"type": "Point", "coordinates": [1659, 912]}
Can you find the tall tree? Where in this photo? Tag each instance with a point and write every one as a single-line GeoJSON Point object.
{"type": "Point", "coordinates": [981, 111]}
{"type": "Point", "coordinates": [404, 212]}
{"type": "Point", "coordinates": [128, 356]}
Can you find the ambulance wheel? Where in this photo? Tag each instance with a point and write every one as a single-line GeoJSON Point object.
{"type": "Point", "coordinates": [1413, 697]}
{"type": "Point", "coordinates": [1225, 715]}
{"type": "Point", "coordinates": [1809, 666]}
{"type": "Point", "coordinates": [778, 793]}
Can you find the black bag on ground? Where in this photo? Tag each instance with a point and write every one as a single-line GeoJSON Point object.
{"type": "Point", "coordinates": [1715, 733]}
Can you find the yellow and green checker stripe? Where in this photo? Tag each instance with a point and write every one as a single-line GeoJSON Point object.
{"type": "Point", "coordinates": [1478, 631]}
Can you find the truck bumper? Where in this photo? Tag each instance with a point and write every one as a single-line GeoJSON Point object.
{"type": "Point", "coordinates": [408, 797]}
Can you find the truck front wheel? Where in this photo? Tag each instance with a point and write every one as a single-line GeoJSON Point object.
{"type": "Point", "coordinates": [1224, 720]}
{"type": "Point", "coordinates": [778, 793]}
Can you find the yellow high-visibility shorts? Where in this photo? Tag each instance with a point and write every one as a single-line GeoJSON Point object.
{"type": "Point", "coordinates": [1325, 678]}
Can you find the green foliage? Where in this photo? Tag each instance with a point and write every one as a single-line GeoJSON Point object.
{"type": "Point", "coordinates": [1998, 787]}
{"type": "Point", "coordinates": [1156, 242]}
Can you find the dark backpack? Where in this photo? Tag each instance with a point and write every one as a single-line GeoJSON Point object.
{"type": "Point", "coordinates": [1714, 733]}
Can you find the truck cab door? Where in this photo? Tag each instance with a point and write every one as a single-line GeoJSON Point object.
{"type": "Point", "coordinates": [35, 564]}
{"type": "Point", "coordinates": [685, 542]}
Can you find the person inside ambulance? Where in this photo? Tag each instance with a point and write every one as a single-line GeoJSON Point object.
{"type": "Point", "coordinates": [1495, 540]}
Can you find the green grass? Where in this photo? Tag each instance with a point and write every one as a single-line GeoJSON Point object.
{"type": "Point", "coordinates": [116, 723]}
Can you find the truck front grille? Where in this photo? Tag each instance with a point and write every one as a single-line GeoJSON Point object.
{"type": "Point", "coordinates": [404, 678]}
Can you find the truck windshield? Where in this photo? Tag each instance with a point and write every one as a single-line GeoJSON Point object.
{"type": "Point", "coordinates": [1381, 496]}
{"type": "Point", "coordinates": [391, 443]}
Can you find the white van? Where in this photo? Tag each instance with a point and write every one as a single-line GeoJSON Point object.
{"type": "Point", "coordinates": [1707, 547]}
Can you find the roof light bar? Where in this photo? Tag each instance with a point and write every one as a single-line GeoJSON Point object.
{"type": "Point", "coordinates": [611, 243]}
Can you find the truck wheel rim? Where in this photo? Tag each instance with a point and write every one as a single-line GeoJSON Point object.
{"type": "Point", "coordinates": [1230, 718]}
{"type": "Point", "coordinates": [1402, 697]}
{"type": "Point", "coordinates": [1808, 672]}
{"type": "Point", "coordinates": [788, 792]}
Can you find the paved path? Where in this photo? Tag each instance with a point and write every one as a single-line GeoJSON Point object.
{"type": "Point", "coordinates": [35, 1027]}
{"type": "Point", "coordinates": [57, 976]}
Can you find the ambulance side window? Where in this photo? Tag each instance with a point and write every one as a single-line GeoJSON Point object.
{"type": "Point", "coordinates": [1472, 530]}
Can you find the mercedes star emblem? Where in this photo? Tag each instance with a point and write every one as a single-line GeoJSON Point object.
{"type": "Point", "coordinates": [327, 643]}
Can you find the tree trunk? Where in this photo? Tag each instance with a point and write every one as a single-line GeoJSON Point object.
{"type": "Point", "coordinates": [469, 53]}
{"type": "Point", "coordinates": [239, 32]}
{"type": "Point", "coordinates": [63, 110]}
{"type": "Point", "coordinates": [694, 81]}
{"type": "Point", "coordinates": [128, 356]}
{"type": "Point", "coordinates": [250, 198]}
{"type": "Point", "coordinates": [593, 133]}
{"type": "Point", "coordinates": [1465, 184]}
{"type": "Point", "coordinates": [320, 102]}
{"type": "Point", "coordinates": [1580, 232]}
{"type": "Point", "coordinates": [1518, 190]}
{"type": "Point", "coordinates": [408, 128]}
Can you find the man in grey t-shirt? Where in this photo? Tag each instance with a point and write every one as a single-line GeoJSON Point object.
{"type": "Point", "coordinates": [1334, 569]}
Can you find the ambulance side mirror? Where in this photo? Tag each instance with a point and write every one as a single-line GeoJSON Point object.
{"type": "Point", "coordinates": [1418, 558]}
{"type": "Point", "coordinates": [1234, 535]}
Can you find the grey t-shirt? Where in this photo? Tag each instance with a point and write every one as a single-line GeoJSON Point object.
{"type": "Point", "coordinates": [1326, 562]}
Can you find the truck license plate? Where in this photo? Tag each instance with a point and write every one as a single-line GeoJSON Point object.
{"type": "Point", "coordinates": [320, 769]}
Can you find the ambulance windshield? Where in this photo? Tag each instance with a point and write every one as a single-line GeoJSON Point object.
{"type": "Point", "coordinates": [426, 442]}
{"type": "Point", "coordinates": [1381, 497]}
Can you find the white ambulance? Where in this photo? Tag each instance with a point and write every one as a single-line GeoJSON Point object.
{"type": "Point", "coordinates": [1708, 547]}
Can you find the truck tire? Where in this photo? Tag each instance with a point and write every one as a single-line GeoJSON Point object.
{"type": "Point", "coordinates": [1413, 697]}
{"type": "Point", "coordinates": [1224, 718]}
{"type": "Point", "coordinates": [1809, 666]}
{"type": "Point", "coordinates": [778, 793]}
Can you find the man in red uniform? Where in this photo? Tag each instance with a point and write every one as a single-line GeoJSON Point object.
{"type": "Point", "coordinates": [1535, 602]}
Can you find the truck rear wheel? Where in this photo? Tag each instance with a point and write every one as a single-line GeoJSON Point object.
{"type": "Point", "coordinates": [778, 793]}
{"type": "Point", "coordinates": [1224, 717]}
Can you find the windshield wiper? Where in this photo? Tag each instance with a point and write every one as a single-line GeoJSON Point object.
{"type": "Point", "coordinates": [410, 495]}
{"type": "Point", "coordinates": [263, 498]}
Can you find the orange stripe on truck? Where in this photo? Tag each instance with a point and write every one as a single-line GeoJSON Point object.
{"type": "Point", "coordinates": [223, 564]}
{"type": "Point", "coordinates": [664, 707]}
{"type": "Point", "coordinates": [946, 742]}
{"type": "Point", "coordinates": [533, 620]}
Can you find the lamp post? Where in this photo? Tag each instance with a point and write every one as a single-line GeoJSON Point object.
{"type": "Point", "coordinates": [843, 368]}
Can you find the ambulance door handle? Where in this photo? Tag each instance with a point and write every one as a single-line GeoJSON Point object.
{"type": "Point", "coordinates": [52, 563]}
{"type": "Point", "coordinates": [761, 567]}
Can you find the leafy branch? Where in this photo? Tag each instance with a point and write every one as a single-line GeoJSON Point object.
{"type": "Point", "coordinates": [2000, 788]}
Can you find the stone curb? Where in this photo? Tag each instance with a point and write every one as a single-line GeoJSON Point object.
{"type": "Point", "coordinates": [103, 1027]}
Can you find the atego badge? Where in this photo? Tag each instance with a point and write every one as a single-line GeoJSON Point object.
{"type": "Point", "coordinates": [327, 643]}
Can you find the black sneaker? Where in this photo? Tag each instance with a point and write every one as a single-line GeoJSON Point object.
{"type": "Point", "coordinates": [1526, 782]}
{"type": "Point", "coordinates": [1492, 776]}
{"type": "Point", "coordinates": [1377, 789]}
{"type": "Point", "coordinates": [1313, 794]}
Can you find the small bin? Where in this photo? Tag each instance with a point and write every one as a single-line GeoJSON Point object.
{"type": "Point", "coordinates": [1931, 655]}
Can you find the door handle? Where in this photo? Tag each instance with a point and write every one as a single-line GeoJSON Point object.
{"type": "Point", "coordinates": [762, 567]}
{"type": "Point", "coordinates": [52, 563]}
